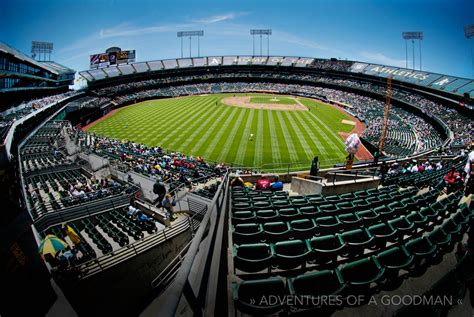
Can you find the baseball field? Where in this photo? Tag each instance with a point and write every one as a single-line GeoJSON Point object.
{"type": "Point", "coordinates": [252, 130]}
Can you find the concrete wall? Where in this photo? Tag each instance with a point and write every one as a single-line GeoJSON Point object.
{"type": "Point", "coordinates": [146, 183]}
{"type": "Point", "coordinates": [305, 186]}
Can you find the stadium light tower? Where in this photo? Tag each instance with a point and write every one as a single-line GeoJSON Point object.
{"type": "Point", "coordinates": [190, 34]}
{"type": "Point", "coordinates": [469, 32]}
{"type": "Point", "coordinates": [41, 47]}
{"type": "Point", "coordinates": [412, 36]}
{"type": "Point", "coordinates": [261, 32]}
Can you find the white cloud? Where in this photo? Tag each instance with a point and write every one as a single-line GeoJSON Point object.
{"type": "Point", "coordinates": [126, 30]}
{"type": "Point", "coordinates": [304, 42]}
{"type": "Point", "coordinates": [380, 58]}
{"type": "Point", "coordinates": [219, 18]}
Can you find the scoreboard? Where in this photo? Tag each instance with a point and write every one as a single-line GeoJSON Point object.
{"type": "Point", "coordinates": [112, 58]}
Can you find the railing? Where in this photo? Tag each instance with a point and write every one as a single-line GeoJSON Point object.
{"type": "Point", "coordinates": [118, 256]}
{"type": "Point", "coordinates": [169, 272]}
{"type": "Point", "coordinates": [181, 285]}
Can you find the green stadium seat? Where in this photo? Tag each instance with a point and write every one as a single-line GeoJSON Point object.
{"type": "Point", "coordinates": [431, 215]}
{"type": "Point", "coordinates": [345, 207]}
{"type": "Point", "coordinates": [251, 297]}
{"type": "Point", "coordinates": [361, 274]}
{"type": "Point", "coordinates": [247, 233]}
{"type": "Point", "coordinates": [253, 257]}
{"type": "Point", "coordinates": [276, 231]}
{"type": "Point", "coordinates": [325, 249]}
{"type": "Point", "coordinates": [262, 205]}
{"type": "Point", "coordinates": [317, 284]}
{"type": "Point", "coordinates": [410, 204]}
{"type": "Point", "coordinates": [243, 216]}
{"type": "Point", "coordinates": [291, 254]}
{"type": "Point", "coordinates": [328, 225]}
{"type": "Point", "coordinates": [385, 212]}
{"type": "Point", "coordinates": [422, 249]}
{"type": "Point", "coordinates": [403, 226]}
{"type": "Point", "coordinates": [289, 213]}
{"type": "Point", "coordinates": [360, 204]}
{"type": "Point", "coordinates": [382, 233]}
{"type": "Point", "coordinates": [454, 229]}
{"type": "Point", "coordinates": [369, 216]}
{"type": "Point", "coordinates": [303, 228]}
{"type": "Point", "coordinates": [356, 242]}
{"type": "Point", "coordinates": [418, 219]}
{"type": "Point", "coordinates": [328, 209]}
{"type": "Point", "coordinates": [350, 221]}
{"type": "Point", "coordinates": [309, 211]}
{"type": "Point", "coordinates": [240, 206]}
{"type": "Point", "coordinates": [393, 260]}
{"type": "Point", "coordinates": [266, 215]}
{"type": "Point", "coordinates": [442, 239]}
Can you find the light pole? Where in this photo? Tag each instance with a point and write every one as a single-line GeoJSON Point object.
{"type": "Point", "coordinates": [261, 32]}
{"type": "Point", "coordinates": [190, 34]}
{"type": "Point", "coordinates": [412, 36]}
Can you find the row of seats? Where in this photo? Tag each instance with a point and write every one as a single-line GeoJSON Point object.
{"type": "Point", "coordinates": [362, 277]}
{"type": "Point", "coordinates": [323, 249]}
{"type": "Point", "coordinates": [385, 208]}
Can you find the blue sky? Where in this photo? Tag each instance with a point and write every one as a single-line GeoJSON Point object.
{"type": "Point", "coordinates": [365, 30]}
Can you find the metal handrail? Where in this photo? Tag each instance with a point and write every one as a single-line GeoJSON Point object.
{"type": "Point", "coordinates": [181, 280]}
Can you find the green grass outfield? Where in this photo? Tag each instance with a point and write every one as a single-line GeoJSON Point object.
{"type": "Point", "coordinates": [196, 125]}
{"type": "Point", "coordinates": [273, 100]}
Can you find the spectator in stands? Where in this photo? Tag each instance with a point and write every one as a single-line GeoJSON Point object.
{"type": "Point", "coordinates": [383, 171]}
{"type": "Point", "coordinates": [169, 203]}
{"type": "Point", "coordinates": [276, 185]}
{"type": "Point", "coordinates": [263, 183]}
{"type": "Point", "coordinates": [160, 190]}
{"type": "Point", "coordinates": [451, 179]}
{"type": "Point", "coordinates": [237, 181]}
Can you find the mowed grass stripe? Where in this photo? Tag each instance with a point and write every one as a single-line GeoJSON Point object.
{"type": "Point", "coordinates": [242, 147]}
{"type": "Point", "coordinates": [199, 140]}
{"type": "Point", "coordinates": [287, 137]}
{"type": "Point", "coordinates": [239, 130]}
{"type": "Point", "coordinates": [258, 157]}
{"type": "Point", "coordinates": [333, 140]}
{"type": "Point", "coordinates": [222, 143]}
{"type": "Point", "coordinates": [274, 145]}
{"type": "Point", "coordinates": [299, 135]}
{"type": "Point", "coordinates": [311, 137]}
{"type": "Point", "coordinates": [200, 130]}
{"type": "Point", "coordinates": [176, 129]}
{"type": "Point", "coordinates": [217, 134]}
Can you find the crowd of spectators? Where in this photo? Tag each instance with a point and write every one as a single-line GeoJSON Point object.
{"type": "Point", "coordinates": [173, 167]}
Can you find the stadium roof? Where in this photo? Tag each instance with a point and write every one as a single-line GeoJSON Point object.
{"type": "Point", "coordinates": [51, 67]}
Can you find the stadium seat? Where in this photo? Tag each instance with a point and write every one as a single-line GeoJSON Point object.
{"type": "Point", "coordinates": [369, 216]}
{"type": "Point", "coordinates": [418, 219]}
{"type": "Point", "coordinates": [328, 209]}
{"type": "Point", "coordinates": [266, 215]}
{"type": "Point", "coordinates": [276, 231]}
{"type": "Point", "coordinates": [454, 229]}
{"type": "Point", "coordinates": [442, 239]}
{"type": "Point", "coordinates": [303, 228]}
{"type": "Point", "coordinates": [382, 233]}
{"type": "Point", "coordinates": [385, 212]}
{"type": "Point", "coordinates": [356, 242]}
{"type": "Point", "coordinates": [253, 257]}
{"type": "Point", "coordinates": [350, 221]}
{"type": "Point", "coordinates": [243, 216]}
{"type": "Point", "coordinates": [325, 249]}
{"type": "Point", "coordinates": [309, 211]}
{"type": "Point", "coordinates": [361, 274]}
{"type": "Point", "coordinates": [251, 297]}
{"type": "Point", "coordinates": [328, 225]}
{"type": "Point", "coordinates": [288, 213]}
{"type": "Point", "coordinates": [291, 254]}
{"type": "Point", "coordinates": [247, 233]}
{"type": "Point", "coordinates": [402, 226]}
{"type": "Point", "coordinates": [393, 260]}
{"type": "Point", "coordinates": [422, 249]}
{"type": "Point", "coordinates": [317, 284]}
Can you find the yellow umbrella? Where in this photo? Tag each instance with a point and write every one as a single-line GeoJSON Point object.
{"type": "Point", "coordinates": [72, 235]}
{"type": "Point", "coordinates": [51, 245]}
